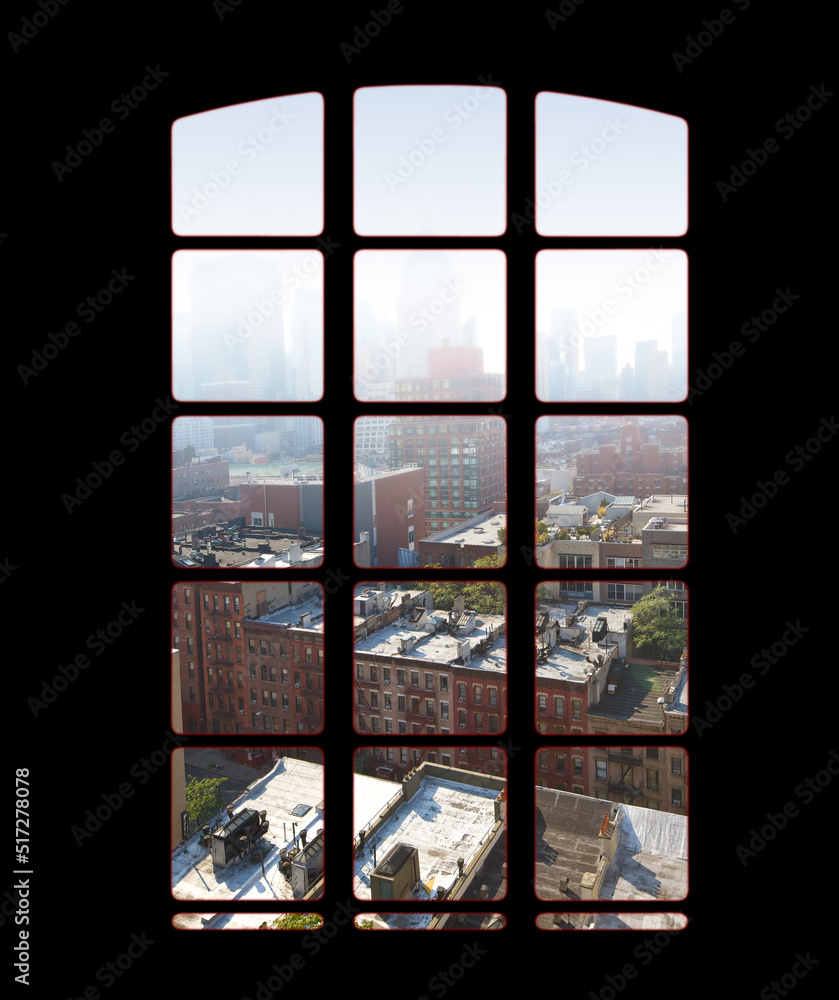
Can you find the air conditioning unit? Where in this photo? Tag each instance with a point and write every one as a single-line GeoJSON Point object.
{"type": "Point", "coordinates": [445, 715]}
{"type": "Point", "coordinates": [463, 725]}
{"type": "Point", "coordinates": [297, 685]}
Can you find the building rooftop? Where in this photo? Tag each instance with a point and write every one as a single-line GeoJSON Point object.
{"type": "Point", "coordinates": [567, 660]}
{"type": "Point", "coordinates": [291, 614]}
{"type": "Point", "coordinates": [288, 785]}
{"type": "Point", "coordinates": [440, 647]}
{"type": "Point", "coordinates": [650, 860]}
{"type": "Point", "coordinates": [230, 921]}
{"type": "Point", "coordinates": [638, 688]}
{"type": "Point", "coordinates": [481, 530]}
{"type": "Point", "coordinates": [444, 820]}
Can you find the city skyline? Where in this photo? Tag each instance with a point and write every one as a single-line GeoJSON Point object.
{"type": "Point", "coordinates": [611, 325]}
{"type": "Point", "coordinates": [428, 313]}
{"type": "Point", "coordinates": [247, 325]}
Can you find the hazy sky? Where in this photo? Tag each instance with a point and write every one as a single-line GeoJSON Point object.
{"type": "Point", "coordinates": [250, 169]}
{"type": "Point", "coordinates": [295, 269]}
{"type": "Point", "coordinates": [606, 169]}
{"type": "Point", "coordinates": [430, 160]}
{"type": "Point", "coordinates": [647, 288]}
{"type": "Point", "coordinates": [480, 287]}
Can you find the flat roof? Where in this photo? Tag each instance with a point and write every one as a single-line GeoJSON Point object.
{"type": "Point", "coordinates": [481, 532]}
{"type": "Point", "coordinates": [440, 647]}
{"type": "Point", "coordinates": [445, 820]}
{"type": "Point", "coordinates": [567, 661]}
{"type": "Point", "coordinates": [650, 861]}
{"type": "Point", "coordinates": [288, 784]}
{"type": "Point", "coordinates": [290, 615]}
{"type": "Point", "coordinates": [638, 688]}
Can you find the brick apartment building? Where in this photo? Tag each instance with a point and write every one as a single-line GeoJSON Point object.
{"type": "Point", "coordinates": [654, 777]}
{"type": "Point", "coordinates": [465, 463]}
{"type": "Point", "coordinates": [389, 514]}
{"type": "Point", "coordinates": [208, 630]}
{"type": "Point", "coordinates": [198, 479]}
{"type": "Point", "coordinates": [428, 673]}
{"type": "Point", "coordinates": [637, 467]}
{"type": "Point", "coordinates": [291, 504]}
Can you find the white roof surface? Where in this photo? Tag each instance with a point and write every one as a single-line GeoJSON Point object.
{"type": "Point", "coordinates": [288, 784]}
{"type": "Point", "coordinates": [651, 859]}
{"type": "Point", "coordinates": [445, 820]}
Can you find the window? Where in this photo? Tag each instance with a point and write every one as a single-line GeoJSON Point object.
{"type": "Point", "coordinates": [385, 675]}
{"type": "Point", "coordinates": [676, 798]}
{"type": "Point", "coordinates": [560, 763]}
{"type": "Point", "coordinates": [600, 770]}
{"type": "Point", "coordinates": [444, 683]}
{"type": "Point", "coordinates": [400, 677]}
{"type": "Point", "coordinates": [559, 708]}
{"type": "Point", "coordinates": [652, 780]}
{"type": "Point", "coordinates": [652, 753]}
{"type": "Point", "coordinates": [543, 760]}
{"type": "Point", "coordinates": [676, 765]}
{"type": "Point", "coordinates": [578, 767]}
{"type": "Point", "coordinates": [576, 709]}
{"type": "Point", "coordinates": [493, 695]}
{"type": "Point", "coordinates": [493, 723]}
{"type": "Point", "coordinates": [478, 691]}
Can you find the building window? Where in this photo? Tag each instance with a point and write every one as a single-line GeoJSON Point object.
{"type": "Point", "coordinates": [576, 709]}
{"type": "Point", "coordinates": [676, 765]}
{"type": "Point", "coordinates": [578, 767]}
{"type": "Point", "coordinates": [652, 780]}
{"type": "Point", "coordinates": [543, 760]}
{"type": "Point", "coordinates": [652, 753]}
{"type": "Point", "coordinates": [600, 770]}
{"type": "Point", "coordinates": [560, 763]}
{"type": "Point", "coordinates": [676, 798]}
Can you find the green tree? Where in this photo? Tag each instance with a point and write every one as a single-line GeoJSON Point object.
{"type": "Point", "coordinates": [502, 535]}
{"type": "Point", "coordinates": [202, 800]}
{"type": "Point", "coordinates": [657, 633]}
{"type": "Point", "coordinates": [297, 921]}
{"type": "Point", "coordinates": [485, 598]}
{"type": "Point", "coordinates": [487, 562]}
